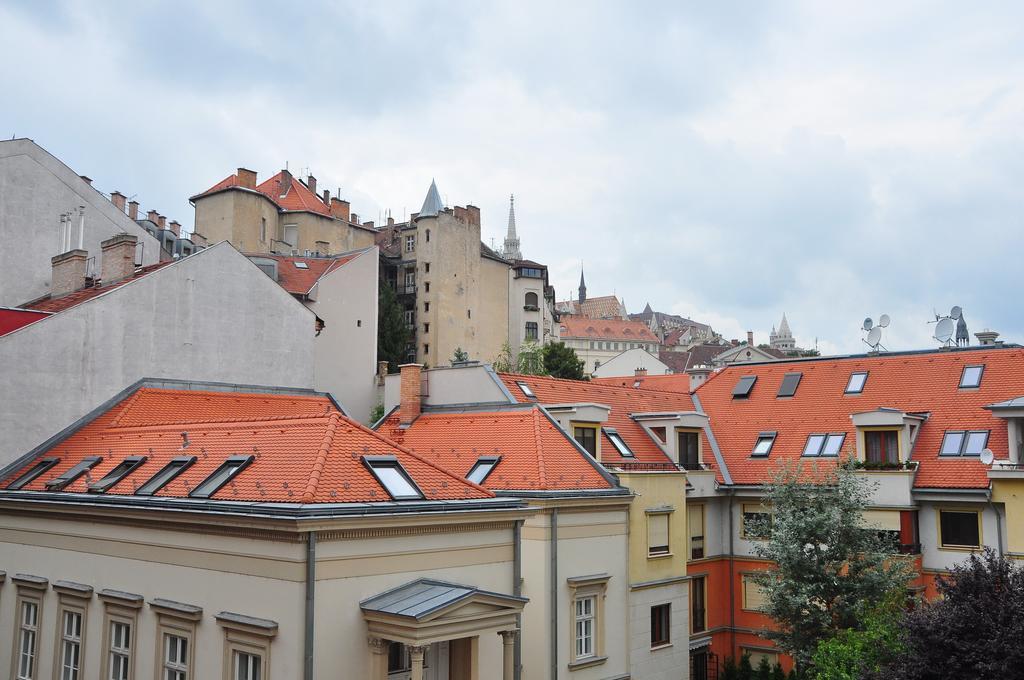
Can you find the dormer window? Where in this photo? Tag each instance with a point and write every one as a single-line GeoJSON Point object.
{"type": "Point", "coordinates": [971, 377]}
{"type": "Point", "coordinates": [393, 477]}
{"type": "Point", "coordinates": [763, 445]}
{"type": "Point", "coordinates": [856, 382]}
{"type": "Point", "coordinates": [481, 468]}
{"type": "Point", "coordinates": [743, 387]}
{"type": "Point", "coordinates": [619, 443]}
{"type": "Point", "coordinates": [120, 471]}
{"type": "Point", "coordinates": [69, 476]}
{"type": "Point", "coordinates": [228, 470]}
{"type": "Point", "coordinates": [32, 473]}
{"type": "Point", "coordinates": [164, 477]}
{"type": "Point", "coordinates": [882, 446]}
{"type": "Point", "coordinates": [963, 442]}
{"type": "Point", "coordinates": [789, 384]}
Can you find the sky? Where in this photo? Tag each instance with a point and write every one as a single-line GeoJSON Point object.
{"type": "Point", "coordinates": [727, 161]}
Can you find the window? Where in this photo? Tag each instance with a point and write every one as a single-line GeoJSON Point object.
{"type": "Point", "coordinates": [221, 476]}
{"type": "Point", "coordinates": [410, 280]}
{"type": "Point", "coordinates": [698, 606]}
{"type": "Point", "coordinates": [789, 384]}
{"type": "Point", "coordinates": [661, 622]}
{"type": "Point", "coordinates": [393, 477]}
{"type": "Point", "coordinates": [70, 662]}
{"type": "Point", "coordinates": [263, 229]}
{"type": "Point", "coordinates": [744, 386]}
{"type": "Point", "coordinates": [176, 651]}
{"type": "Point", "coordinates": [246, 666]}
{"type": "Point", "coordinates": [856, 382]}
{"type": "Point", "coordinates": [971, 377]}
{"type": "Point", "coordinates": [531, 330]}
{"type": "Point", "coordinates": [586, 436]}
{"type": "Point", "coordinates": [695, 520]}
{"type": "Point", "coordinates": [33, 472]}
{"type": "Point", "coordinates": [299, 264]}
{"type": "Point", "coordinates": [689, 449]}
{"type": "Point", "coordinates": [526, 390]}
{"type": "Point", "coordinates": [426, 267]}
{"type": "Point", "coordinates": [426, 328]}
{"type": "Point", "coordinates": [753, 595]}
{"type": "Point", "coordinates": [428, 236]}
{"type": "Point", "coordinates": [68, 477]}
{"type": "Point", "coordinates": [584, 620]}
{"type": "Point", "coordinates": [657, 533]}
{"type": "Point", "coordinates": [28, 639]}
{"type": "Point", "coordinates": [763, 445]}
{"type": "Point", "coordinates": [959, 528]}
{"type": "Point", "coordinates": [410, 243]}
{"type": "Point", "coordinates": [833, 444]}
{"type": "Point", "coordinates": [882, 446]}
{"type": "Point", "coordinates": [757, 654]}
{"type": "Point", "coordinates": [619, 443]}
{"type": "Point", "coordinates": [757, 521]}
{"type": "Point", "coordinates": [824, 444]}
{"type": "Point", "coordinates": [481, 468]}
{"type": "Point", "coordinates": [426, 349]}
{"type": "Point", "coordinates": [410, 317]}
{"type": "Point", "coordinates": [291, 235]}
{"type": "Point", "coordinates": [426, 306]}
{"type": "Point", "coordinates": [120, 650]}
{"type": "Point", "coordinates": [120, 471]}
{"type": "Point", "coordinates": [248, 645]}
{"type": "Point", "coordinates": [164, 477]}
{"type": "Point", "coordinates": [530, 302]}
{"type": "Point", "coordinates": [426, 287]}
{"type": "Point", "coordinates": [964, 443]}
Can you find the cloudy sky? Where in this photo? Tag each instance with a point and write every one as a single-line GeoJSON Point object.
{"type": "Point", "coordinates": [726, 161]}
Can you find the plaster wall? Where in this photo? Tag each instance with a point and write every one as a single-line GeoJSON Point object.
{"type": "Point", "coordinates": [626, 363]}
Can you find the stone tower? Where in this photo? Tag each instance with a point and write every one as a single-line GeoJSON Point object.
{"type": "Point", "coordinates": [511, 251]}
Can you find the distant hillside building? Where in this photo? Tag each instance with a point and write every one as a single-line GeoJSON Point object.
{"type": "Point", "coordinates": [674, 329]}
{"type": "Point", "coordinates": [604, 307]}
{"type": "Point", "coordinates": [782, 339]}
{"type": "Point", "coordinates": [599, 340]}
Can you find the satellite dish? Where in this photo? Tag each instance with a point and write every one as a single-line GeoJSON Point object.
{"type": "Point", "coordinates": [987, 456]}
{"type": "Point", "coordinates": [883, 321]}
{"type": "Point", "coordinates": [955, 312]}
{"type": "Point", "coordinates": [944, 329]}
{"type": "Point", "coordinates": [868, 324]}
{"type": "Point", "coordinates": [874, 336]}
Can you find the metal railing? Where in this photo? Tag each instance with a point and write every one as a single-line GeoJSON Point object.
{"type": "Point", "coordinates": [636, 465]}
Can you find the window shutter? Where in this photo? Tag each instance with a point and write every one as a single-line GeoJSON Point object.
{"type": "Point", "coordinates": [657, 533]}
{"type": "Point", "coordinates": [882, 520]}
{"type": "Point", "coordinates": [696, 519]}
{"type": "Point", "coordinates": [753, 596]}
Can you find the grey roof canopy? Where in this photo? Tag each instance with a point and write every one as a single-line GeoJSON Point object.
{"type": "Point", "coordinates": [423, 597]}
{"type": "Point", "coordinates": [432, 204]}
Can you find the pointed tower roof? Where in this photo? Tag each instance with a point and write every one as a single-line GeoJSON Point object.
{"type": "Point", "coordinates": [583, 286]}
{"type": "Point", "coordinates": [432, 204]}
{"type": "Point", "coordinates": [511, 217]}
{"type": "Point", "coordinates": [647, 308]}
{"type": "Point", "coordinates": [511, 250]}
{"type": "Point", "coordinates": [784, 327]}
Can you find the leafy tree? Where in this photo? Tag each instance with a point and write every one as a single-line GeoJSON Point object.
{"type": "Point", "coordinates": [778, 673]}
{"type": "Point", "coordinates": [730, 671]}
{"type": "Point", "coordinates": [746, 669]}
{"type": "Point", "coordinates": [828, 565]}
{"type": "Point", "coordinates": [531, 359]}
{"type": "Point", "coordinates": [460, 355]}
{"type": "Point", "coordinates": [560, 361]}
{"type": "Point", "coordinates": [862, 653]}
{"type": "Point", "coordinates": [972, 631]}
{"type": "Point", "coordinates": [764, 670]}
{"type": "Point", "coordinates": [392, 333]}
{"type": "Point", "coordinates": [377, 413]}
{"type": "Point", "coordinates": [505, 362]}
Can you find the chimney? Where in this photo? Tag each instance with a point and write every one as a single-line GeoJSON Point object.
{"type": "Point", "coordinates": [68, 272]}
{"type": "Point", "coordinates": [382, 370]}
{"type": "Point", "coordinates": [311, 183]}
{"type": "Point", "coordinates": [133, 210]}
{"type": "Point", "coordinates": [411, 393]}
{"type": "Point", "coordinates": [698, 376]}
{"type": "Point", "coordinates": [87, 180]}
{"type": "Point", "coordinates": [118, 260]}
{"type": "Point", "coordinates": [461, 214]}
{"type": "Point", "coordinates": [986, 338]}
{"type": "Point", "coordinates": [750, 338]}
{"type": "Point", "coordinates": [285, 183]}
{"type": "Point", "coordinates": [368, 224]}
{"type": "Point", "coordinates": [639, 372]}
{"type": "Point", "coordinates": [327, 197]}
{"type": "Point", "coordinates": [162, 222]}
{"type": "Point", "coordinates": [246, 178]}
{"type": "Point", "coordinates": [354, 219]}
{"type": "Point", "coordinates": [118, 199]}
{"type": "Point", "coordinates": [474, 214]}
{"type": "Point", "coordinates": [153, 216]}
{"type": "Point", "coordinates": [176, 228]}
{"type": "Point", "coordinates": [340, 209]}
{"type": "Point", "coordinates": [391, 221]}
{"type": "Point", "coordinates": [198, 239]}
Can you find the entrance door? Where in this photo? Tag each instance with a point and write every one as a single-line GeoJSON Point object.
{"type": "Point", "coordinates": [435, 662]}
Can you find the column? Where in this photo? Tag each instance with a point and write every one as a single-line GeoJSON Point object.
{"type": "Point", "coordinates": [417, 652]}
{"type": "Point", "coordinates": [378, 658]}
{"type": "Point", "coordinates": [508, 641]}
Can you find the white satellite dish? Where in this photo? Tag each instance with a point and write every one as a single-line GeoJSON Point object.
{"type": "Point", "coordinates": [944, 329]}
{"type": "Point", "coordinates": [956, 312]}
{"type": "Point", "coordinates": [987, 456]}
{"type": "Point", "coordinates": [883, 321]}
{"type": "Point", "coordinates": [868, 324]}
{"type": "Point", "coordinates": [874, 337]}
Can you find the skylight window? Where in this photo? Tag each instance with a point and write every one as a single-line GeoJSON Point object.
{"type": "Point", "coordinates": [299, 264]}
{"type": "Point", "coordinates": [228, 470]}
{"type": "Point", "coordinates": [392, 476]}
{"type": "Point", "coordinates": [963, 442]}
{"type": "Point", "coordinates": [743, 387]}
{"type": "Point", "coordinates": [833, 444]}
{"type": "Point", "coordinates": [526, 390]}
{"type": "Point", "coordinates": [763, 445]}
{"type": "Point", "coordinates": [481, 468]}
{"type": "Point", "coordinates": [120, 471]}
{"type": "Point", "coordinates": [166, 474]}
{"type": "Point", "coordinates": [39, 468]}
{"type": "Point", "coordinates": [971, 377]}
{"type": "Point", "coordinates": [824, 444]}
{"type": "Point", "coordinates": [789, 384]}
{"type": "Point", "coordinates": [69, 476]}
{"type": "Point", "coordinates": [856, 383]}
{"type": "Point", "coordinates": [619, 443]}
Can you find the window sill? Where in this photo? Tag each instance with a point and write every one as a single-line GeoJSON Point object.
{"type": "Point", "coordinates": [961, 548]}
{"type": "Point", "coordinates": [587, 662]}
{"type": "Point", "coordinates": [659, 556]}
{"type": "Point", "coordinates": [656, 648]}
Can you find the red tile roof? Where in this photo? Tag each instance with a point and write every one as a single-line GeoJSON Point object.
{"type": "Point", "coordinates": [606, 329]}
{"type": "Point", "coordinates": [912, 383]}
{"type": "Point", "coordinates": [662, 383]}
{"type": "Point", "coordinates": [296, 196]}
{"type": "Point", "coordinates": [623, 402]}
{"type": "Point", "coordinates": [601, 307]}
{"type": "Point", "coordinates": [298, 281]}
{"type": "Point", "coordinates": [59, 304]}
{"type": "Point", "coordinates": [535, 454]}
{"type": "Point", "coordinates": [305, 450]}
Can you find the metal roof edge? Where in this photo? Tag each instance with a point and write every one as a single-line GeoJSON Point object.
{"type": "Point", "coordinates": [608, 477]}
{"type": "Point", "coordinates": [711, 440]}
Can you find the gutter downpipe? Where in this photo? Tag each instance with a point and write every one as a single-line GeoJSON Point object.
{"type": "Point", "coordinates": [999, 524]}
{"type": "Point", "coordinates": [554, 594]}
{"type": "Point", "coordinates": [517, 590]}
{"type": "Point", "coordinates": [307, 673]}
{"type": "Point", "coordinates": [732, 580]}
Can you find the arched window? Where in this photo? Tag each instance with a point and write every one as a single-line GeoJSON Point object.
{"type": "Point", "coordinates": [531, 300]}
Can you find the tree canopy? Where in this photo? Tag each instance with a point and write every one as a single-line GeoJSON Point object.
{"type": "Point", "coordinates": [392, 332]}
{"type": "Point", "coordinates": [560, 361]}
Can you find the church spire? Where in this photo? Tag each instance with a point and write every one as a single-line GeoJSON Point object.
{"type": "Point", "coordinates": [583, 286]}
{"type": "Point", "coordinates": [432, 204]}
{"type": "Point", "coordinates": [510, 251]}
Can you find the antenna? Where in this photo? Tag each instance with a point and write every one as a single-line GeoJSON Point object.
{"type": "Point", "coordinates": [987, 457]}
{"type": "Point", "coordinates": [952, 328]}
{"type": "Point", "coordinates": [874, 332]}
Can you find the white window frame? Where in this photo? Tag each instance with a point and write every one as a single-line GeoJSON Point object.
{"type": "Point", "coordinates": [70, 669]}
{"type": "Point", "coordinates": [410, 243]}
{"type": "Point", "coordinates": [26, 642]}
{"type": "Point", "coordinates": [176, 620]}
{"type": "Point", "coordinates": [963, 377]}
{"type": "Point", "coordinates": [121, 609]}
{"type": "Point", "coordinates": [586, 632]}
{"type": "Point", "coordinates": [249, 637]}
{"type": "Point", "coordinates": [863, 375]}
{"type": "Point", "coordinates": [584, 620]}
{"type": "Point", "coordinates": [119, 648]}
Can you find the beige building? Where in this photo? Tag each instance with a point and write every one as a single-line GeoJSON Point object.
{"type": "Point", "coordinates": [597, 341]}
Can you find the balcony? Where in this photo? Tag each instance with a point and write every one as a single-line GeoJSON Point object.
{"type": "Point", "coordinates": [894, 482]}
{"type": "Point", "coordinates": [700, 482]}
{"type": "Point", "coordinates": [640, 466]}
{"type": "Point", "coordinates": [1002, 469]}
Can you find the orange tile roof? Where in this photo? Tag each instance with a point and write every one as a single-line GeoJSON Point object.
{"type": "Point", "coordinates": [925, 382]}
{"type": "Point", "coordinates": [305, 450]}
{"type": "Point", "coordinates": [601, 307]}
{"type": "Point", "coordinates": [535, 454]}
{"type": "Point", "coordinates": [623, 402]}
{"type": "Point", "coordinates": [606, 329]}
{"type": "Point", "coordinates": [672, 382]}
{"type": "Point", "coordinates": [59, 304]}
{"type": "Point", "coordinates": [298, 281]}
{"type": "Point", "coordinates": [296, 196]}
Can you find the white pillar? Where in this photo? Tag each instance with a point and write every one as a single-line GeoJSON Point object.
{"type": "Point", "coordinates": [508, 640]}
{"type": "Point", "coordinates": [378, 658]}
{"type": "Point", "coordinates": [417, 652]}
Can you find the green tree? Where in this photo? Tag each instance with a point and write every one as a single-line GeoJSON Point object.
{"type": "Point", "coordinates": [377, 412]}
{"type": "Point", "coordinates": [560, 361]}
{"type": "Point", "coordinates": [392, 333]}
{"type": "Point", "coordinates": [778, 673]}
{"type": "Point", "coordinates": [530, 360]}
{"type": "Point", "coordinates": [460, 355]}
{"type": "Point", "coordinates": [828, 564]}
{"type": "Point", "coordinates": [730, 671]}
{"type": "Point", "coordinates": [746, 669]}
{"type": "Point", "coordinates": [861, 653]}
{"type": "Point", "coordinates": [764, 670]}
{"type": "Point", "coordinates": [505, 362]}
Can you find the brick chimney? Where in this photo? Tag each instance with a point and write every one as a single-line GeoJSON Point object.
{"type": "Point", "coordinates": [198, 239]}
{"type": "Point", "coordinates": [246, 178]}
{"type": "Point", "coordinates": [411, 393]}
{"type": "Point", "coordinates": [327, 197]}
{"type": "Point", "coordinates": [639, 372]}
{"type": "Point", "coordinates": [698, 376]}
{"type": "Point", "coordinates": [118, 199]}
{"type": "Point", "coordinates": [162, 222]}
{"type": "Point", "coordinates": [176, 228]}
{"type": "Point", "coordinates": [368, 224]}
{"type": "Point", "coordinates": [154, 217]}
{"type": "Point", "coordinates": [750, 338]}
{"type": "Point", "coordinates": [354, 218]}
{"type": "Point", "coordinates": [68, 272]}
{"type": "Point", "coordinates": [285, 183]}
{"type": "Point", "coordinates": [133, 210]}
{"type": "Point", "coordinates": [118, 259]}
{"type": "Point", "coordinates": [340, 208]}
{"type": "Point", "coordinates": [391, 221]}
{"type": "Point", "coordinates": [474, 214]}
{"type": "Point", "coordinates": [311, 183]}
{"type": "Point", "coordinates": [461, 214]}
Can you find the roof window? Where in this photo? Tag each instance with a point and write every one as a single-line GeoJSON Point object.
{"type": "Point", "coordinates": [763, 445]}
{"type": "Point", "coordinates": [299, 264]}
{"type": "Point", "coordinates": [971, 377]}
{"type": "Point", "coordinates": [963, 442]}
{"type": "Point", "coordinates": [120, 471]}
{"type": "Point", "coordinates": [789, 384]}
{"type": "Point", "coordinates": [526, 389]}
{"type": "Point", "coordinates": [228, 470]}
{"type": "Point", "coordinates": [856, 382]}
{"type": "Point", "coordinates": [619, 443]}
{"type": "Point", "coordinates": [393, 477]}
{"type": "Point", "coordinates": [824, 444]}
{"type": "Point", "coordinates": [743, 387]}
{"type": "Point", "coordinates": [481, 468]}
{"type": "Point", "coordinates": [39, 468]}
{"type": "Point", "coordinates": [164, 477]}
{"type": "Point", "coordinates": [69, 476]}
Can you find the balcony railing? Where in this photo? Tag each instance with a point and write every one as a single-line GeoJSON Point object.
{"type": "Point", "coordinates": [640, 466]}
